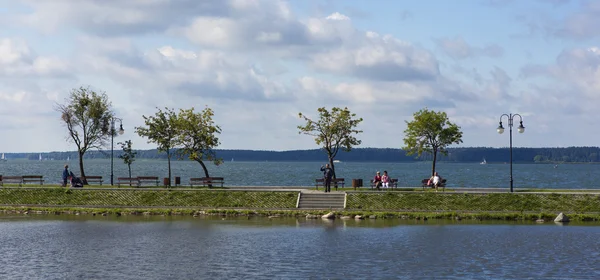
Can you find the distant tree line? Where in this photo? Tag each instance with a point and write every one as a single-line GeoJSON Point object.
{"type": "Point", "coordinates": [472, 154]}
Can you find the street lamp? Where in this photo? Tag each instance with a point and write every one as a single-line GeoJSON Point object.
{"type": "Point", "coordinates": [500, 130]}
{"type": "Point", "coordinates": [112, 143]}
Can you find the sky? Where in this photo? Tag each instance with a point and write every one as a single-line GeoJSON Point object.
{"type": "Point", "coordinates": [258, 63]}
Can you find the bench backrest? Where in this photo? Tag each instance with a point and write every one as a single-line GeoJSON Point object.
{"type": "Point", "coordinates": [32, 176]}
{"type": "Point", "coordinates": [208, 179]}
{"type": "Point", "coordinates": [338, 179]}
{"type": "Point", "coordinates": [126, 178]}
{"type": "Point", "coordinates": [320, 180]}
{"type": "Point", "coordinates": [147, 178]}
{"type": "Point", "coordinates": [93, 177]}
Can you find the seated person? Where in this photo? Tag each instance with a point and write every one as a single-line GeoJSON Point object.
{"type": "Point", "coordinates": [435, 180]}
{"type": "Point", "coordinates": [377, 180]}
{"type": "Point", "coordinates": [385, 180]}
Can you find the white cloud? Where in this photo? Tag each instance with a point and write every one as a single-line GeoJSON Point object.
{"type": "Point", "coordinates": [578, 68]}
{"type": "Point", "coordinates": [17, 60]}
{"type": "Point", "coordinates": [458, 48]}
{"type": "Point", "coordinates": [381, 58]}
{"type": "Point", "coordinates": [337, 16]}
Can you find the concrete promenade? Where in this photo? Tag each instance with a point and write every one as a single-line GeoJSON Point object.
{"type": "Point", "coordinates": [306, 189]}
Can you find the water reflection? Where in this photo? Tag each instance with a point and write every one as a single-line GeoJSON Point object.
{"type": "Point", "coordinates": [133, 247]}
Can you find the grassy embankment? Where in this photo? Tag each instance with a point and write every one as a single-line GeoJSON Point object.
{"type": "Point", "coordinates": [409, 205]}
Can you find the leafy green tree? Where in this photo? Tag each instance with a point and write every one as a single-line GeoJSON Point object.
{"type": "Point", "coordinates": [332, 130]}
{"type": "Point", "coordinates": [430, 132]}
{"type": "Point", "coordinates": [87, 115]}
{"type": "Point", "coordinates": [197, 136]}
{"type": "Point", "coordinates": [161, 129]}
{"type": "Point", "coordinates": [128, 155]}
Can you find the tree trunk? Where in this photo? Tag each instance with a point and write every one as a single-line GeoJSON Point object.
{"type": "Point", "coordinates": [332, 167]}
{"type": "Point", "coordinates": [169, 164]}
{"type": "Point", "coordinates": [433, 163]}
{"type": "Point", "coordinates": [203, 167]}
{"type": "Point", "coordinates": [129, 167]}
{"type": "Point", "coordinates": [205, 171]}
{"type": "Point", "coordinates": [82, 175]}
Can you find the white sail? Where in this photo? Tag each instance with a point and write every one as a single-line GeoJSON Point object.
{"type": "Point", "coordinates": [3, 158]}
{"type": "Point", "coordinates": [484, 161]}
{"type": "Point", "coordinates": [40, 157]}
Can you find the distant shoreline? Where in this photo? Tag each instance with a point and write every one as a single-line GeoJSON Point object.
{"type": "Point", "coordinates": [463, 155]}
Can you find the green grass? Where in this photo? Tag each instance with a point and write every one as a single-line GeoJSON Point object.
{"type": "Point", "coordinates": [147, 197]}
{"type": "Point", "coordinates": [491, 202]}
{"type": "Point", "coordinates": [385, 203]}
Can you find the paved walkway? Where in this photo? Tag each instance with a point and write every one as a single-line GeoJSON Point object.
{"type": "Point", "coordinates": [307, 189]}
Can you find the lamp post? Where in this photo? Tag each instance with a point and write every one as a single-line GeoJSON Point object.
{"type": "Point", "coordinates": [112, 143]}
{"type": "Point", "coordinates": [500, 130]}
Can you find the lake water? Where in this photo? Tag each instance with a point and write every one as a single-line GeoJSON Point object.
{"type": "Point", "coordinates": [464, 175]}
{"type": "Point", "coordinates": [77, 247]}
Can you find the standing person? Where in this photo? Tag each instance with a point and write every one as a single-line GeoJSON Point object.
{"type": "Point", "coordinates": [327, 175]}
{"type": "Point", "coordinates": [377, 180]}
{"type": "Point", "coordinates": [65, 175]}
{"type": "Point", "coordinates": [436, 180]}
{"type": "Point", "coordinates": [385, 180]}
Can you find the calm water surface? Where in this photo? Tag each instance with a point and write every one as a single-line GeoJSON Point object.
{"type": "Point", "coordinates": [464, 175]}
{"type": "Point", "coordinates": [56, 247]}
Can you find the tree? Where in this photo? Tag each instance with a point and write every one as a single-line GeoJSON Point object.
{"type": "Point", "coordinates": [197, 136]}
{"type": "Point", "coordinates": [161, 130]}
{"type": "Point", "coordinates": [333, 130]}
{"type": "Point", "coordinates": [430, 132]}
{"type": "Point", "coordinates": [128, 155]}
{"type": "Point", "coordinates": [87, 115]}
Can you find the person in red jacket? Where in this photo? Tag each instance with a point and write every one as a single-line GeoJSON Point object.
{"type": "Point", "coordinates": [377, 180]}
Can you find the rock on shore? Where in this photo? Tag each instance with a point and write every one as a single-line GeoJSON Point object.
{"type": "Point", "coordinates": [561, 218]}
{"type": "Point", "coordinates": [329, 216]}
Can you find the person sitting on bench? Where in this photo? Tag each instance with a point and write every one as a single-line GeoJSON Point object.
{"type": "Point", "coordinates": [377, 180]}
{"type": "Point", "coordinates": [435, 180]}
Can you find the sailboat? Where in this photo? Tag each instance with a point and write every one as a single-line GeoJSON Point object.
{"type": "Point", "coordinates": [40, 157]}
{"type": "Point", "coordinates": [483, 162]}
{"type": "Point", "coordinates": [3, 158]}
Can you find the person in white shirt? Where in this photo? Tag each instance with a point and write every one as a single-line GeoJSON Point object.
{"type": "Point", "coordinates": [436, 180]}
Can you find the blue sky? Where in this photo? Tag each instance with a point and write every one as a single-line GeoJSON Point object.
{"type": "Point", "coordinates": [258, 63]}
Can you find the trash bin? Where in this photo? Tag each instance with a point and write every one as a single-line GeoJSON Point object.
{"type": "Point", "coordinates": [355, 183]}
{"type": "Point", "coordinates": [360, 182]}
{"type": "Point", "coordinates": [166, 182]}
{"type": "Point", "coordinates": [177, 181]}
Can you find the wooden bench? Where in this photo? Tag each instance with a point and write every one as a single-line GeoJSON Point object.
{"type": "Point", "coordinates": [393, 184]}
{"type": "Point", "coordinates": [33, 179]}
{"type": "Point", "coordinates": [12, 180]}
{"type": "Point", "coordinates": [207, 181]}
{"type": "Point", "coordinates": [133, 181]}
{"type": "Point", "coordinates": [441, 185]}
{"type": "Point", "coordinates": [334, 182]}
{"type": "Point", "coordinates": [93, 179]}
{"type": "Point", "coordinates": [153, 180]}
